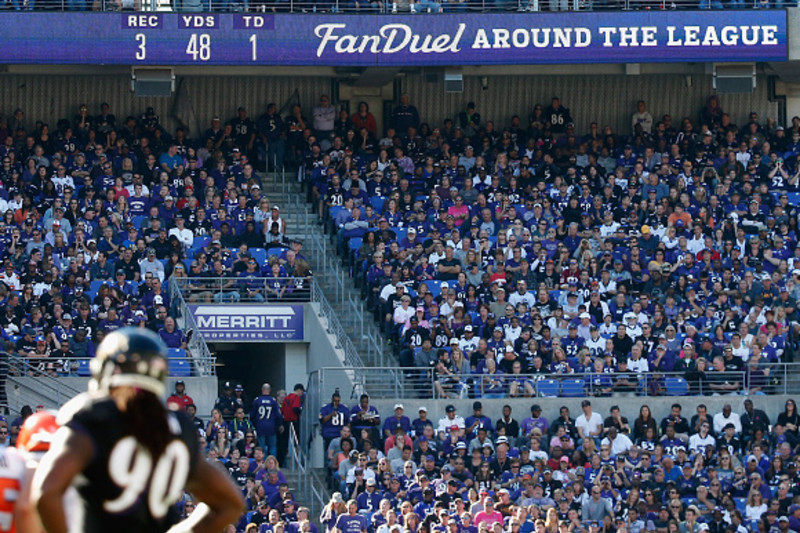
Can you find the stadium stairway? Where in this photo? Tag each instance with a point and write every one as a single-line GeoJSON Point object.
{"type": "Point", "coordinates": [333, 279]}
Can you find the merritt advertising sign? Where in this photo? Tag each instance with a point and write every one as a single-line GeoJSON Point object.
{"type": "Point", "coordinates": [394, 41]}
{"type": "Point", "coordinates": [249, 323]}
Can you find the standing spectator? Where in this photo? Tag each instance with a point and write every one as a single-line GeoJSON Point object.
{"type": "Point", "coordinates": [272, 132]}
{"type": "Point", "coordinates": [557, 116]}
{"type": "Point", "coordinates": [405, 116]}
{"type": "Point", "coordinates": [226, 403]}
{"type": "Point", "coordinates": [642, 118]}
{"type": "Point", "coordinates": [291, 409]}
{"type": "Point", "coordinates": [333, 417]}
{"type": "Point", "coordinates": [589, 424]}
{"type": "Point", "coordinates": [364, 119]}
{"type": "Point", "coordinates": [324, 117]}
{"type": "Point", "coordinates": [267, 419]}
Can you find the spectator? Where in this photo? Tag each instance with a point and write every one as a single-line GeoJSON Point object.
{"type": "Point", "coordinates": [179, 397]}
{"type": "Point", "coordinates": [171, 335]}
{"type": "Point", "coordinates": [267, 420]}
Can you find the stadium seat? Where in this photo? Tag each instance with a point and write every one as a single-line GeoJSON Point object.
{"type": "Point", "coordinates": [259, 254]}
{"type": "Point", "coordinates": [547, 388]}
{"type": "Point", "coordinates": [275, 252]}
{"type": "Point", "coordinates": [676, 386]}
{"type": "Point", "coordinates": [794, 197]}
{"type": "Point", "coordinates": [355, 243]}
{"type": "Point", "coordinates": [334, 211]}
{"type": "Point", "coordinates": [377, 203]}
{"type": "Point", "coordinates": [200, 242]}
{"type": "Point", "coordinates": [434, 286]}
{"type": "Point", "coordinates": [83, 368]}
{"type": "Point", "coordinates": [572, 388]}
{"type": "Point", "coordinates": [176, 353]}
{"type": "Point", "coordinates": [95, 285]}
{"type": "Point", "coordinates": [179, 368]}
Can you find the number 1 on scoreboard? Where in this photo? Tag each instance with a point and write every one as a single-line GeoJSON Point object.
{"type": "Point", "coordinates": [253, 42]}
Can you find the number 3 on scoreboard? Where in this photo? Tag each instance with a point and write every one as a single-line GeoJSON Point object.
{"type": "Point", "coordinates": [199, 47]}
{"type": "Point", "coordinates": [141, 52]}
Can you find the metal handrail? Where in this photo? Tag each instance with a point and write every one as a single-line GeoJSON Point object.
{"type": "Point", "coordinates": [54, 367]}
{"type": "Point", "coordinates": [351, 356]}
{"type": "Point", "coordinates": [422, 383]}
{"type": "Point", "coordinates": [234, 290]}
{"type": "Point", "coordinates": [204, 363]}
{"type": "Point", "coordinates": [46, 386]}
{"type": "Point", "coordinates": [316, 501]}
{"type": "Point", "coordinates": [331, 271]}
{"type": "Point", "coordinates": [374, 7]}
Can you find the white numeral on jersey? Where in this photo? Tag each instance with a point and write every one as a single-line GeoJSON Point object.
{"type": "Point", "coordinates": [264, 412]}
{"type": "Point", "coordinates": [130, 467]}
{"type": "Point", "coordinates": [141, 53]}
{"type": "Point", "coordinates": [253, 41]}
{"type": "Point", "coordinates": [6, 521]}
{"type": "Point", "coordinates": [199, 47]}
{"type": "Point", "coordinates": [169, 478]}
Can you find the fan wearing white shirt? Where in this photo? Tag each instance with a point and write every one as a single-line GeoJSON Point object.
{"type": "Point", "coordinates": [637, 363]}
{"type": "Point", "coordinates": [727, 416]}
{"type": "Point", "coordinates": [618, 442]}
{"type": "Point", "coordinates": [182, 233]}
{"type": "Point", "coordinates": [589, 424]}
{"type": "Point", "coordinates": [448, 420]}
{"type": "Point", "coordinates": [700, 441]}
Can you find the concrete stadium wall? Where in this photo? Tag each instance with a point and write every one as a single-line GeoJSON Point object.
{"type": "Point", "coordinates": [629, 406]}
{"type": "Point", "coordinates": [203, 391]}
{"type": "Point", "coordinates": [521, 408]}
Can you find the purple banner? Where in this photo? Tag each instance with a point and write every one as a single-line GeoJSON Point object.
{"type": "Point", "coordinates": [249, 323]}
{"type": "Point", "coordinates": [383, 40]}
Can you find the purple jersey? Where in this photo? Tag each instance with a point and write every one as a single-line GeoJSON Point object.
{"type": "Point", "coordinates": [266, 415]}
{"type": "Point", "coordinates": [347, 523]}
{"type": "Point", "coordinates": [331, 428]}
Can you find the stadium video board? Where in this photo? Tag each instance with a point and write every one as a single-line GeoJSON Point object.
{"type": "Point", "coordinates": [392, 41]}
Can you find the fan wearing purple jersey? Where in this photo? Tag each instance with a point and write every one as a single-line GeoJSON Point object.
{"type": "Point", "coordinates": [267, 419]}
{"type": "Point", "coordinates": [352, 522]}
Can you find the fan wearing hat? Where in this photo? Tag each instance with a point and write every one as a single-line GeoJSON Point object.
{"type": "Point", "coordinates": [536, 420]}
{"type": "Point", "coordinates": [450, 418]}
{"type": "Point", "coordinates": [179, 396]}
{"type": "Point", "coordinates": [476, 421]}
{"type": "Point", "coordinates": [390, 425]}
{"type": "Point", "coordinates": [226, 402]}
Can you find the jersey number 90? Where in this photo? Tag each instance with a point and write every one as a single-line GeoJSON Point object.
{"type": "Point", "coordinates": [131, 468]}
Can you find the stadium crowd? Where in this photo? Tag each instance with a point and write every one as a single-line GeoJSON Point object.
{"type": "Point", "coordinates": [733, 471]}
{"type": "Point", "coordinates": [534, 249]}
{"type": "Point", "coordinates": [96, 215]}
